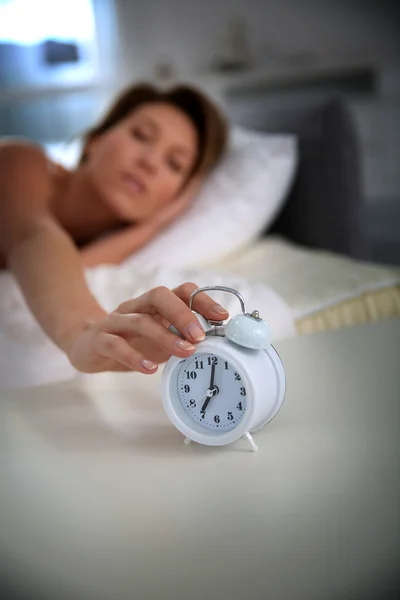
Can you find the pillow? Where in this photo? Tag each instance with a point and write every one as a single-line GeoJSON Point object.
{"type": "Point", "coordinates": [238, 200]}
{"type": "Point", "coordinates": [64, 153]}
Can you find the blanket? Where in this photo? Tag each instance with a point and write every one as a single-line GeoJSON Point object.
{"type": "Point", "coordinates": [29, 358]}
{"type": "Point", "coordinates": [289, 285]}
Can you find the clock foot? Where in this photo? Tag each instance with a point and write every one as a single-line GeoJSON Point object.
{"type": "Point", "coordinates": [253, 445]}
{"type": "Point", "coordinates": [187, 441]}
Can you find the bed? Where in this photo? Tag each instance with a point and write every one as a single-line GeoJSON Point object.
{"type": "Point", "coordinates": [323, 290]}
{"type": "Point", "coordinates": [323, 266]}
{"type": "Point", "coordinates": [309, 271]}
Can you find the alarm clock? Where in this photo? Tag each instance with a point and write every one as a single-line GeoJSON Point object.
{"type": "Point", "coordinates": [232, 386]}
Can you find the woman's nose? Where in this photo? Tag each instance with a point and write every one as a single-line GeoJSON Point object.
{"type": "Point", "coordinates": [148, 161]}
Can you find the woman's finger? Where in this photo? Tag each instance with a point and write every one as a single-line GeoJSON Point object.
{"type": "Point", "coordinates": [202, 302]}
{"type": "Point", "coordinates": [174, 308]}
{"type": "Point", "coordinates": [163, 301]}
{"type": "Point", "coordinates": [144, 326]}
{"type": "Point", "coordinates": [110, 345]}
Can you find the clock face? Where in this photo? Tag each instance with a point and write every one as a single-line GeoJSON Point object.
{"type": "Point", "coordinates": [211, 391]}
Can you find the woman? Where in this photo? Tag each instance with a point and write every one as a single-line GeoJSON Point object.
{"type": "Point", "coordinates": [139, 169]}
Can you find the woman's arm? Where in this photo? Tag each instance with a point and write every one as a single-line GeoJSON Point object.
{"type": "Point", "coordinates": [42, 256]}
{"type": "Point", "coordinates": [49, 270]}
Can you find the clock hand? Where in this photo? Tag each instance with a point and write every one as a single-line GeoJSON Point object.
{"type": "Point", "coordinates": [211, 390]}
{"type": "Point", "coordinates": [210, 387]}
{"type": "Point", "coordinates": [208, 395]}
{"type": "Point", "coordinates": [203, 408]}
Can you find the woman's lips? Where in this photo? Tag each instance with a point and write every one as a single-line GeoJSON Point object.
{"type": "Point", "coordinates": [134, 184]}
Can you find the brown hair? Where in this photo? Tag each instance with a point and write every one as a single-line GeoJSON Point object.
{"type": "Point", "coordinates": [210, 124]}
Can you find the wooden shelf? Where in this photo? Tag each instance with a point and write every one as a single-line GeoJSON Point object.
{"type": "Point", "coordinates": [352, 74]}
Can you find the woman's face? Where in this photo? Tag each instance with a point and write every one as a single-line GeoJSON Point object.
{"type": "Point", "coordinates": [141, 163]}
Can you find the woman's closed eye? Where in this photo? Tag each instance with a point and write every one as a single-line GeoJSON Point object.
{"type": "Point", "coordinates": [141, 134]}
{"type": "Point", "coordinates": [176, 166]}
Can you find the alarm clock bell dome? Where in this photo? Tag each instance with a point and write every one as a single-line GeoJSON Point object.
{"type": "Point", "coordinates": [249, 331]}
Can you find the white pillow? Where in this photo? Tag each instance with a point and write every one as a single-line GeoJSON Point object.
{"type": "Point", "coordinates": [64, 153]}
{"type": "Point", "coordinates": [235, 204]}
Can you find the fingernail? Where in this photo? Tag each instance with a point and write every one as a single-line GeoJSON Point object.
{"type": "Point", "coordinates": [219, 309]}
{"type": "Point", "coordinates": [196, 332]}
{"type": "Point", "coordinates": [148, 364]}
{"type": "Point", "coordinates": [184, 345]}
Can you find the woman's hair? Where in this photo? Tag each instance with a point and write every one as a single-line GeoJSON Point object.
{"type": "Point", "coordinates": [209, 122]}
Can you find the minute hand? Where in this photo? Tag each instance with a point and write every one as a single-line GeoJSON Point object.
{"type": "Point", "coordinates": [212, 377]}
{"type": "Point", "coordinates": [210, 392]}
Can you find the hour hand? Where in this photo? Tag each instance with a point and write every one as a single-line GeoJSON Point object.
{"type": "Point", "coordinates": [210, 394]}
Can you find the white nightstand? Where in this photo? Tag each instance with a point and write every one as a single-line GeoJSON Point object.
{"type": "Point", "coordinates": [88, 512]}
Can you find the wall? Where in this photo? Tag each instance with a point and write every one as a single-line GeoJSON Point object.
{"type": "Point", "coordinates": [191, 32]}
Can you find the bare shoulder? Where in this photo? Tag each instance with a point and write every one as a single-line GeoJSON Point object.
{"type": "Point", "coordinates": [20, 148]}
{"type": "Point", "coordinates": [25, 187]}
{"type": "Point", "coordinates": [18, 157]}
{"type": "Point", "coordinates": [25, 175]}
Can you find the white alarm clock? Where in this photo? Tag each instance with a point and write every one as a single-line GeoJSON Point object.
{"type": "Point", "coordinates": [233, 385]}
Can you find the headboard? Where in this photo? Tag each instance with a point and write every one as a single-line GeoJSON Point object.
{"type": "Point", "coordinates": [325, 206]}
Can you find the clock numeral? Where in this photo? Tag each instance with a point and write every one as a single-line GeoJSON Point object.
{"type": "Point", "coordinates": [199, 364]}
{"type": "Point", "coordinates": [191, 374]}
{"type": "Point", "coordinates": [242, 391]}
{"type": "Point", "coordinates": [192, 403]}
{"type": "Point", "coordinates": [187, 388]}
{"type": "Point", "coordinates": [239, 406]}
{"type": "Point", "coordinates": [230, 416]}
{"type": "Point", "coordinates": [202, 414]}
{"type": "Point", "coordinates": [226, 365]}
{"type": "Point", "coordinates": [217, 419]}
{"type": "Point", "coordinates": [237, 377]}
{"type": "Point", "coordinates": [212, 360]}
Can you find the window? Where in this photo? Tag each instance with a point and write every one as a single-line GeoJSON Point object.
{"type": "Point", "coordinates": [47, 42]}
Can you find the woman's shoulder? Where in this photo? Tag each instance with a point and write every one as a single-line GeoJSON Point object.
{"type": "Point", "coordinates": [19, 156]}
{"type": "Point", "coordinates": [19, 151]}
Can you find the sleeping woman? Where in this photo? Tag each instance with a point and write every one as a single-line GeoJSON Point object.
{"type": "Point", "coordinates": [140, 168]}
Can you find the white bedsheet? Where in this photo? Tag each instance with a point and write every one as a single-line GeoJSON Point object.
{"type": "Point", "coordinates": [282, 280]}
{"type": "Point", "coordinates": [307, 280]}
{"type": "Point", "coordinates": [28, 357]}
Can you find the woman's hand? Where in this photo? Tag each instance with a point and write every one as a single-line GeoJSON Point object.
{"type": "Point", "coordinates": [135, 337]}
{"type": "Point", "coordinates": [117, 246]}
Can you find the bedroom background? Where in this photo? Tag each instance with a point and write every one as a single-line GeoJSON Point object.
{"type": "Point", "coordinates": [319, 81]}
{"type": "Point", "coordinates": [61, 62]}
{"type": "Point", "coordinates": [99, 497]}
